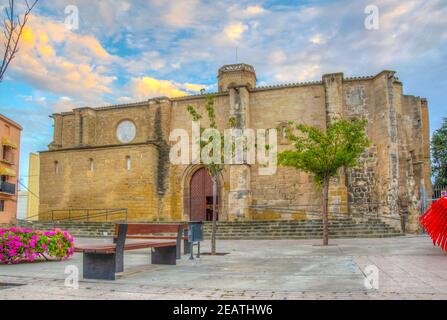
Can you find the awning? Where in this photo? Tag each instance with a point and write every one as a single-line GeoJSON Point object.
{"type": "Point", "coordinates": [8, 143]}
{"type": "Point", "coordinates": [7, 172]}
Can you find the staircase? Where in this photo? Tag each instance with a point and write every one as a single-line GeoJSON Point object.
{"type": "Point", "coordinates": [247, 230]}
{"type": "Point", "coordinates": [346, 228]}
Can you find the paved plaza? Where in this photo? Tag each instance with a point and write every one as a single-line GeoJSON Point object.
{"type": "Point", "coordinates": [409, 268]}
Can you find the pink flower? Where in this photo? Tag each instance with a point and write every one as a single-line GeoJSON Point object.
{"type": "Point", "coordinates": [22, 245]}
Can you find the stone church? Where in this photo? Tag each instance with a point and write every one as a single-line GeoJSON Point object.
{"type": "Point", "coordinates": [118, 156]}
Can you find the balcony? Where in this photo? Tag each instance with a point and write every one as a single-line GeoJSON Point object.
{"type": "Point", "coordinates": [7, 188]}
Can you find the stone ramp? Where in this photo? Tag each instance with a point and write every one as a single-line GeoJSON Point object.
{"type": "Point", "coordinates": [247, 230]}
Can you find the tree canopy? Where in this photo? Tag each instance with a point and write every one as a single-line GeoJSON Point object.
{"type": "Point", "coordinates": [439, 154]}
{"type": "Point", "coordinates": [323, 153]}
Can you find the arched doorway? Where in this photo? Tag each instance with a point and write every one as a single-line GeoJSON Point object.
{"type": "Point", "coordinates": [201, 196]}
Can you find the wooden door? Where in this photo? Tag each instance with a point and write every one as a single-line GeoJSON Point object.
{"type": "Point", "coordinates": [201, 195]}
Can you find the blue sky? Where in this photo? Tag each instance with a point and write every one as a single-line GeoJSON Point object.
{"type": "Point", "coordinates": [128, 51]}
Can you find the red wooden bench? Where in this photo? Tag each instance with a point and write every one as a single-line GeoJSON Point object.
{"type": "Point", "coordinates": [104, 260]}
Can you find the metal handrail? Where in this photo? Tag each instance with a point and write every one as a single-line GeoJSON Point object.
{"type": "Point", "coordinates": [90, 214]}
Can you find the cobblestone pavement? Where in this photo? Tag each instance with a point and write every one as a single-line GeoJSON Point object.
{"type": "Point", "coordinates": [408, 268]}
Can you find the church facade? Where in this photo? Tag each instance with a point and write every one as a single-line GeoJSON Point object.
{"type": "Point", "coordinates": [118, 156]}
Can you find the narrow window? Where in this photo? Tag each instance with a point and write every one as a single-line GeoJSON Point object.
{"type": "Point", "coordinates": [2, 205]}
{"type": "Point", "coordinates": [284, 132]}
{"type": "Point", "coordinates": [7, 154]}
{"type": "Point", "coordinates": [56, 167]}
{"type": "Point", "coordinates": [92, 165]}
{"type": "Point", "coordinates": [128, 163]}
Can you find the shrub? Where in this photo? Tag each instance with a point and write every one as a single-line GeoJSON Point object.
{"type": "Point", "coordinates": [24, 245]}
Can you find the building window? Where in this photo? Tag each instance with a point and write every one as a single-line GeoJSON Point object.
{"type": "Point", "coordinates": [283, 133]}
{"type": "Point", "coordinates": [4, 179]}
{"type": "Point", "coordinates": [128, 163]}
{"type": "Point", "coordinates": [81, 130]}
{"type": "Point", "coordinates": [2, 205]}
{"type": "Point", "coordinates": [92, 165]}
{"type": "Point", "coordinates": [126, 131]}
{"type": "Point", "coordinates": [7, 154]}
{"type": "Point", "coordinates": [56, 167]}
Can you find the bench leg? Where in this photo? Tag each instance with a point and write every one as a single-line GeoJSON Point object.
{"type": "Point", "coordinates": [99, 266]}
{"type": "Point", "coordinates": [164, 255]}
{"type": "Point", "coordinates": [178, 253]}
{"type": "Point", "coordinates": [186, 247]}
{"type": "Point", "coordinates": [119, 258]}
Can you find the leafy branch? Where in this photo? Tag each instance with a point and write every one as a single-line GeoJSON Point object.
{"type": "Point", "coordinates": [13, 27]}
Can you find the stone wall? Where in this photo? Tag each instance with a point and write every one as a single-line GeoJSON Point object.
{"type": "Point", "coordinates": [362, 180]}
{"type": "Point", "coordinates": [288, 188]}
{"type": "Point", "coordinates": [33, 186]}
{"type": "Point", "coordinates": [363, 198]}
{"type": "Point", "coordinates": [90, 127]}
{"type": "Point", "coordinates": [414, 163]}
{"type": "Point", "coordinates": [109, 185]}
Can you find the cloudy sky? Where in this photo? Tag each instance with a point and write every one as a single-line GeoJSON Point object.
{"type": "Point", "coordinates": [126, 51]}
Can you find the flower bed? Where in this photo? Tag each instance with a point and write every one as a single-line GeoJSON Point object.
{"type": "Point", "coordinates": [19, 245]}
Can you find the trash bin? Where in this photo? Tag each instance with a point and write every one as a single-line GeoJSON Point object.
{"type": "Point", "coordinates": [195, 231]}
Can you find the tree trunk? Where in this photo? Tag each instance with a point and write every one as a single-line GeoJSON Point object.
{"type": "Point", "coordinates": [325, 212]}
{"type": "Point", "coordinates": [214, 228]}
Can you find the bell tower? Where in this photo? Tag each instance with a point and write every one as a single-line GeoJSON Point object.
{"type": "Point", "coordinates": [237, 80]}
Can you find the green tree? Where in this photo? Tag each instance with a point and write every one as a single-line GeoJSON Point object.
{"type": "Point", "coordinates": [322, 153]}
{"type": "Point", "coordinates": [216, 165]}
{"type": "Point", "coordinates": [439, 154]}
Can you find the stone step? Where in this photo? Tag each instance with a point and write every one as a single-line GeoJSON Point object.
{"type": "Point", "coordinates": [304, 232]}
{"type": "Point", "coordinates": [295, 227]}
{"type": "Point", "coordinates": [291, 225]}
{"type": "Point", "coordinates": [301, 230]}
{"type": "Point", "coordinates": [388, 235]}
{"type": "Point", "coordinates": [341, 228]}
{"type": "Point", "coordinates": [221, 225]}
